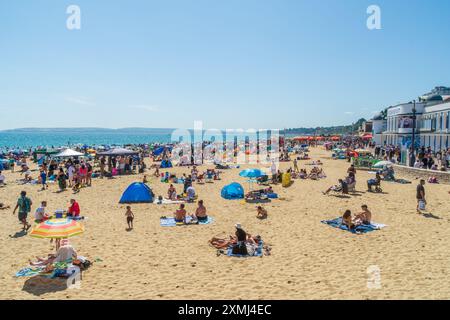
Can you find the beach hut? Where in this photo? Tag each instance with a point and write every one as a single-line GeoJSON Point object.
{"type": "Point", "coordinates": [233, 191]}
{"type": "Point", "coordinates": [137, 192]}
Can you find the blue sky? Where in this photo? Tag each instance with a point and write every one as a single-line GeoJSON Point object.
{"type": "Point", "coordinates": [229, 63]}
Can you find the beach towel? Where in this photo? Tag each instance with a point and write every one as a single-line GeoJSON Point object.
{"type": "Point", "coordinates": [170, 222]}
{"type": "Point", "coordinates": [272, 195]}
{"type": "Point", "coordinates": [257, 252]}
{"type": "Point", "coordinates": [336, 223]}
{"type": "Point", "coordinates": [30, 271]}
{"type": "Point", "coordinates": [168, 201]}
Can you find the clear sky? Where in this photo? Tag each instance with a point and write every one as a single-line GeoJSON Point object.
{"type": "Point", "coordinates": [229, 63]}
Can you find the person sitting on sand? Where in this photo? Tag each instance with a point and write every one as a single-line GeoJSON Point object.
{"type": "Point", "coordinates": [303, 174]}
{"type": "Point", "coordinates": [172, 193]}
{"type": "Point", "coordinates": [241, 237]}
{"type": "Point", "coordinates": [373, 182]}
{"type": "Point", "coordinates": [347, 220]}
{"type": "Point", "coordinates": [261, 213]}
{"type": "Point", "coordinates": [365, 216]}
{"type": "Point", "coordinates": [341, 187]}
{"type": "Point", "coordinates": [180, 214]}
{"type": "Point", "coordinates": [268, 190]}
{"type": "Point", "coordinates": [200, 212]}
{"type": "Point", "coordinates": [40, 215]}
{"type": "Point", "coordinates": [190, 191]}
{"type": "Point", "coordinates": [74, 209]}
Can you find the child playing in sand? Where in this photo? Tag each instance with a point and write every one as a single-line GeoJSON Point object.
{"type": "Point", "coordinates": [130, 217]}
{"type": "Point", "coordinates": [261, 213]}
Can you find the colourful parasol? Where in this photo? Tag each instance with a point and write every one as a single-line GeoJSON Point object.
{"type": "Point", "coordinates": [57, 228]}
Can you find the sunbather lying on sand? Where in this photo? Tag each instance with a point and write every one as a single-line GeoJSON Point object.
{"type": "Point", "coordinates": [64, 253]}
{"type": "Point", "coordinates": [341, 187]}
{"type": "Point", "coordinates": [4, 207]}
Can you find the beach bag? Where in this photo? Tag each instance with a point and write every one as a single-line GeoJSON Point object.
{"type": "Point", "coordinates": [421, 205]}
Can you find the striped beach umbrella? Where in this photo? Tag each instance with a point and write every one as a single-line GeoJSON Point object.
{"type": "Point", "coordinates": [57, 228]}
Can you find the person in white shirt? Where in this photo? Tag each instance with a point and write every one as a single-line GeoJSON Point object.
{"type": "Point", "coordinates": [40, 214]}
{"type": "Point", "coordinates": [274, 171]}
{"type": "Point", "coordinates": [190, 191]}
{"type": "Point", "coordinates": [70, 173]}
{"type": "Point", "coordinates": [417, 164]}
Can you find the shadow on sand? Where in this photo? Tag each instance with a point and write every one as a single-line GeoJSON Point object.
{"type": "Point", "coordinates": [19, 234]}
{"type": "Point", "coordinates": [39, 285]}
{"type": "Point", "coordinates": [429, 215]}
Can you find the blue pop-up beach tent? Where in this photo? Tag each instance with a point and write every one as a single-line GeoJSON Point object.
{"type": "Point", "coordinates": [233, 191]}
{"type": "Point", "coordinates": [137, 192]}
{"type": "Point", "coordinates": [158, 151]}
{"type": "Point", "coordinates": [166, 164]}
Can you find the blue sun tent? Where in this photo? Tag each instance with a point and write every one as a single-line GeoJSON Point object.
{"type": "Point", "coordinates": [158, 151]}
{"type": "Point", "coordinates": [137, 192]}
{"type": "Point", "coordinates": [233, 191]}
{"type": "Point", "coordinates": [166, 164]}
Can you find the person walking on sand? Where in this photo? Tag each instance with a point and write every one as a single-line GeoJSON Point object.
{"type": "Point", "coordinates": [24, 205]}
{"type": "Point", "coordinates": [43, 176]}
{"type": "Point", "coordinates": [295, 166]}
{"type": "Point", "coordinates": [130, 217]}
{"type": "Point", "coordinates": [420, 195]}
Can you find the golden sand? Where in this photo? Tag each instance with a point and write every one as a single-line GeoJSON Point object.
{"type": "Point", "coordinates": [309, 260]}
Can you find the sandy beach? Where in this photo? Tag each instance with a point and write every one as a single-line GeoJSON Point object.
{"type": "Point", "coordinates": [309, 260]}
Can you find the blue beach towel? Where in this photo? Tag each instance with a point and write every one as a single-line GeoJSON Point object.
{"type": "Point", "coordinates": [170, 222]}
{"type": "Point", "coordinates": [29, 271]}
{"type": "Point", "coordinates": [258, 252]}
{"type": "Point", "coordinates": [336, 223]}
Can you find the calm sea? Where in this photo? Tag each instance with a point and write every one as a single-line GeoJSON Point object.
{"type": "Point", "coordinates": [58, 138]}
{"type": "Point", "coordinates": [26, 138]}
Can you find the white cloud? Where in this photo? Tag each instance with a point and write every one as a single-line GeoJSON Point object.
{"type": "Point", "coordinates": [349, 112]}
{"type": "Point", "coordinates": [149, 108]}
{"type": "Point", "coordinates": [81, 101]}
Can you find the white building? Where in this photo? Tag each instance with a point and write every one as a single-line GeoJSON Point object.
{"type": "Point", "coordinates": [432, 122]}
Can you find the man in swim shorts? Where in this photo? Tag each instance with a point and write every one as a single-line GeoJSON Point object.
{"type": "Point", "coordinates": [180, 214]}
{"type": "Point", "coordinates": [24, 205]}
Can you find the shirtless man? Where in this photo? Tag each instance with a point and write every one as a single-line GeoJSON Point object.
{"type": "Point", "coordinates": [180, 214]}
{"type": "Point", "coordinates": [365, 216]}
{"type": "Point", "coordinates": [172, 193]}
{"type": "Point", "coordinates": [200, 212]}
